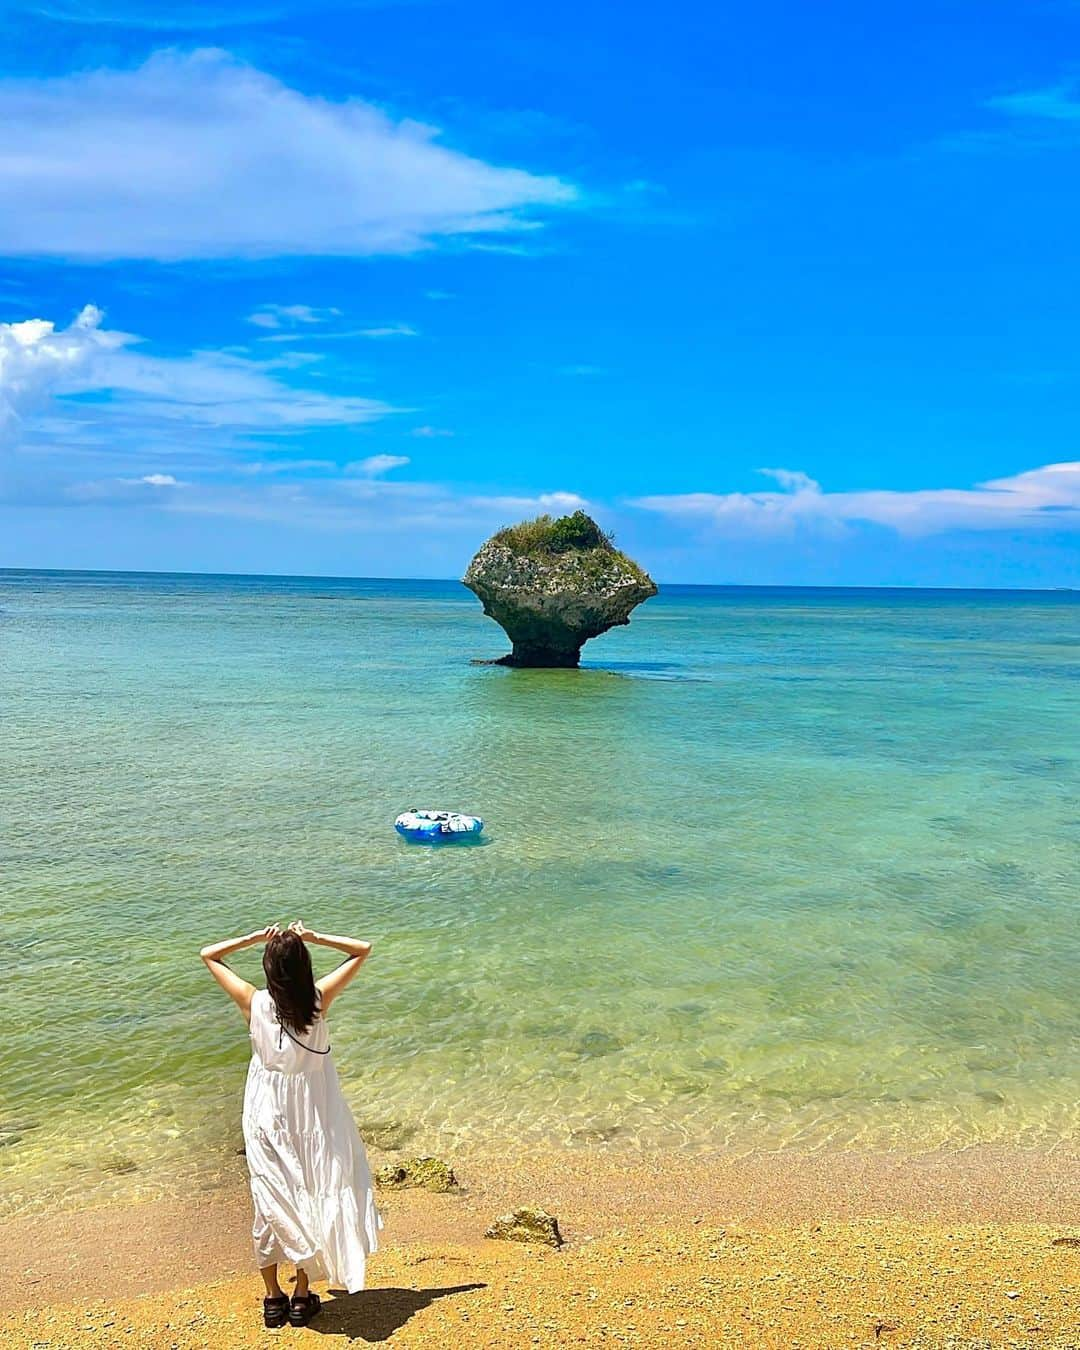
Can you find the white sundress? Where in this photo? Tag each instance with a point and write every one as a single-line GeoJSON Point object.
{"type": "Point", "coordinates": [310, 1180]}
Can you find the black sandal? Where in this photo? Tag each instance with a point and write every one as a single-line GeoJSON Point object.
{"type": "Point", "coordinates": [276, 1311]}
{"type": "Point", "coordinates": [303, 1308]}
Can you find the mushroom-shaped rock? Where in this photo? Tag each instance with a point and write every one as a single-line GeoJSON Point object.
{"type": "Point", "coordinates": [553, 584]}
{"type": "Point", "coordinates": [526, 1225]}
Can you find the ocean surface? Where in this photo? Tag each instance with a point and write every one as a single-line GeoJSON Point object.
{"type": "Point", "coordinates": [777, 867]}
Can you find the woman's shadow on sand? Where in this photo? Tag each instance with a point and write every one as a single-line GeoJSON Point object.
{"type": "Point", "coordinates": [375, 1314]}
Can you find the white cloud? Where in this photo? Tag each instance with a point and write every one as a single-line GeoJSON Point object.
{"type": "Point", "coordinates": [1047, 497]}
{"type": "Point", "coordinates": [197, 155]}
{"type": "Point", "coordinates": [278, 316]}
{"type": "Point", "coordinates": [160, 480]}
{"type": "Point", "coordinates": [376, 506]}
{"type": "Point", "coordinates": [84, 405]}
{"type": "Point", "coordinates": [271, 466]}
{"type": "Point", "coordinates": [1057, 104]}
{"type": "Point", "coordinates": [792, 480]}
{"type": "Point", "coordinates": [357, 504]}
{"type": "Point", "coordinates": [35, 360]}
{"type": "Point", "coordinates": [547, 502]}
{"type": "Point", "coordinates": [102, 380]}
{"type": "Point", "coordinates": [197, 15]}
{"type": "Point", "coordinates": [391, 330]}
{"type": "Point", "coordinates": [375, 465]}
{"type": "Point", "coordinates": [388, 330]}
{"type": "Point", "coordinates": [430, 432]}
{"type": "Point", "coordinates": [150, 489]}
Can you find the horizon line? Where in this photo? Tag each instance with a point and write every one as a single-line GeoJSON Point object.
{"type": "Point", "coordinates": [692, 585]}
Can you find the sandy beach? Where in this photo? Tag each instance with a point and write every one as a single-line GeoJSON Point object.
{"type": "Point", "coordinates": [771, 1250]}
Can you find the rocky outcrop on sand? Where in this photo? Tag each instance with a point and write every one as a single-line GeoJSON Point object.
{"type": "Point", "coordinates": [527, 1225]}
{"type": "Point", "coordinates": [553, 584]}
{"type": "Point", "coordinates": [429, 1174]}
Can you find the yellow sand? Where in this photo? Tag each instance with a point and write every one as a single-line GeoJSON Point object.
{"type": "Point", "coordinates": [825, 1254]}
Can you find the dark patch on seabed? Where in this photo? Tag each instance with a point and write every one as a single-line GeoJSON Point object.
{"type": "Point", "coordinates": [658, 873]}
{"type": "Point", "coordinates": [632, 665]}
{"type": "Point", "coordinates": [595, 1134]}
{"type": "Point", "coordinates": [387, 1135]}
{"type": "Point", "coordinates": [596, 1043]}
{"type": "Point", "coordinates": [1050, 766]}
{"type": "Point", "coordinates": [660, 671]}
{"type": "Point", "coordinates": [1008, 874]}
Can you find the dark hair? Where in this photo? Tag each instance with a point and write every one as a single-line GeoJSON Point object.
{"type": "Point", "coordinates": [287, 966]}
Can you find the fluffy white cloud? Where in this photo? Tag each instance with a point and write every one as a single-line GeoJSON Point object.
{"type": "Point", "coordinates": [376, 465]}
{"type": "Point", "coordinates": [100, 378]}
{"type": "Point", "coordinates": [86, 405]}
{"type": "Point", "coordinates": [36, 361]}
{"type": "Point", "coordinates": [792, 480]}
{"type": "Point", "coordinates": [200, 156]}
{"type": "Point", "coordinates": [160, 480]}
{"type": "Point", "coordinates": [1047, 497]}
{"type": "Point", "coordinates": [558, 503]}
{"type": "Point", "coordinates": [430, 433]}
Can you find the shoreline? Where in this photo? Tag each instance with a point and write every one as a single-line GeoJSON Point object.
{"type": "Point", "coordinates": [933, 1245]}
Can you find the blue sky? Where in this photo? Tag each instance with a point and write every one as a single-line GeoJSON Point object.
{"type": "Point", "coordinates": [783, 293]}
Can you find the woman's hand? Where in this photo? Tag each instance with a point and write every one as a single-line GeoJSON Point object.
{"type": "Point", "coordinates": [214, 956]}
{"type": "Point", "coordinates": [305, 934]}
{"type": "Point", "coordinates": [219, 950]}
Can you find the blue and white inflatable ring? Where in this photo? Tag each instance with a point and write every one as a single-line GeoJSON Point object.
{"type": "Point", "coordinates": [435, 827]}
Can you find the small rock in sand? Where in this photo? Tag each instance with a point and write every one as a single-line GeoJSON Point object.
{"type": "Point", "coordinates": [527, 1225]}
{"type": "Point", "coordinates": [430, 1174]}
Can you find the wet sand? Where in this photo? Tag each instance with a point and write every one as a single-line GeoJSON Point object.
{"type": "Point", "coordinates": [783, 1250]}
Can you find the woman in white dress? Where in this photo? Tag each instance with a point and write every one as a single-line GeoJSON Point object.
{"type": "Point", "coordinates": [310, 1182]}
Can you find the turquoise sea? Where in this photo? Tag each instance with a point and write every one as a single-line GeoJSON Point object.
{"type": "Point", "coordinates": [776, 868]}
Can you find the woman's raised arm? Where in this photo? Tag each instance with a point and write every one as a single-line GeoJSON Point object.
{"type": "Point", "coordinates": [356, 953]}
{"type": "Point", "coordinates": [239, 990]}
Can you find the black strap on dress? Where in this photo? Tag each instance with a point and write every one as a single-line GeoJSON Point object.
{"type": "Point", "coordinates": [283, 1028]}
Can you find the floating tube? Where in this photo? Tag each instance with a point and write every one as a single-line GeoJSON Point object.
{"type": "Point", "coordinates": [431, 827]}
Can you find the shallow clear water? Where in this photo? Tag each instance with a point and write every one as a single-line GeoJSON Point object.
{"type": "Point", "coordinates": [777, 868]}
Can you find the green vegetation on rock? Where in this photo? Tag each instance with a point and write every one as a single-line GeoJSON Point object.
{"type": "Point", "coordinates": [577, 533]}
{"type": "Point", "coordinates": [545, 534]}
